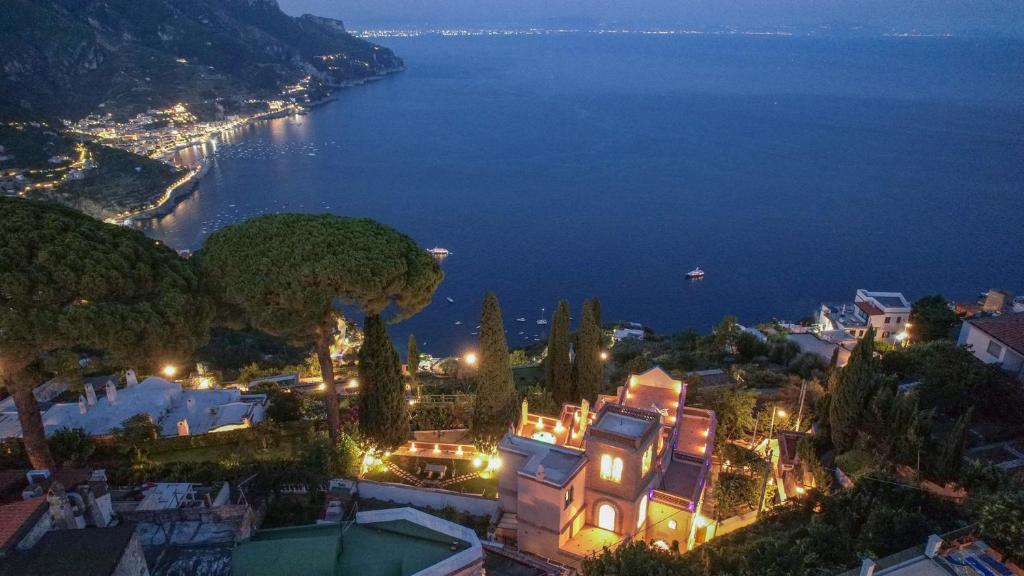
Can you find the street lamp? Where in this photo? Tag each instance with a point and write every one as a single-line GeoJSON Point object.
{"type": "Point", "coordinates": [771, 427]}
{"type": "Point", "coordinates": [604, 355]}
{"type": "Point", "coordinates": [470, 359]}
{"type": "Point", "coordinates": [169, 371]}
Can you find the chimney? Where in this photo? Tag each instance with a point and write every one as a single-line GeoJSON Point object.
{"type": "Point", "coordinates": [867, 567]}
{"type": "Point", "coordinates": [130, 378]}
{"type": "Point", "coordinates": [539, 475]}
{"type": "Point", "coordinates": [931, 549]}
{"type": "Point", "coordinates": [90, 394]}
{"type": "Point", "coordinates": [584, 415]}
{"type": "Point", "coordinates": [183, 427]}
{"type": "Point", "coordinates": [81, 404]}
{"type": "Point", "coordinates": [111, 393]}
{"type": "Point", "coordinates": [523, 412]}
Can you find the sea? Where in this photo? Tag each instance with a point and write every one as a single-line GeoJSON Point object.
{"type": "Point", "coordinates": [792, 170]}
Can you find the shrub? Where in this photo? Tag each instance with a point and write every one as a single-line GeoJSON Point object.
{"type": "Point", "coordinates": [71, 445]}
{"type": "Point", "coordinates": [137, 429]}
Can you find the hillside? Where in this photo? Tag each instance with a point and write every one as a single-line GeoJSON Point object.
{"type": "Point", "coordinates": [67, 58]}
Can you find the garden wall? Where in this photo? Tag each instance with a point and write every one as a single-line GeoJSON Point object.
{"type": "Point", "coordinates": [421, 497]}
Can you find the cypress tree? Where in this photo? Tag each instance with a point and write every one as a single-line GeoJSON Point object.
{"type": "Point", "coordinates": [557, 368]}
{"type": "Point", "coordinates": [413, 361]}
{"type": "Point", "coordinates": [595, 309]}
{"type": "Point", "coordinates": [589, 369]}
{"type": "Point", "coordinates": [494, 407]}
{"type": "Point", "coordinates": [383, 418]}
{"type": "Point", "coordinates": [854, 386]}
{"type": "Point", "coordinates": [952, 454]}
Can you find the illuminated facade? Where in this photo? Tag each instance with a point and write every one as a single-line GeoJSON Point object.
{"type": "Point", "coordinates": [636, 466]}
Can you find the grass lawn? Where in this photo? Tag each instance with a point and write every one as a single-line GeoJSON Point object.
{"type": "Point", "coordinates": [286, 444]}
{"type": "Point", "coordinates": [479, 485]}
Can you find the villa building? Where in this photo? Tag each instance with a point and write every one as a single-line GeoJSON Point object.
{"type": "Point", "coordinates": [634, 467]}
{"type": "Point", "coordinates": [887, 312]}
{"type": "Point", "coordinates": [997, 340]}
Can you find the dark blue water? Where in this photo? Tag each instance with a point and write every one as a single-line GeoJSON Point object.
{"type": "Point", "coordinates": [792, 170]}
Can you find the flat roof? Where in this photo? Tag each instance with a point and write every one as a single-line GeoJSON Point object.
{"type": "Point", "coordinates": [622, 424]}
{"type": "Point", "coordinates": [392, 548]}
{"type": "Point", "coordinates": [921, 566]}
{"type": "Point", "coordinates": [560, 464]}
{"type": "Point", "coordinates": [684, 479]}
{"type": "Point", "coordinates": [83, 552]}
{"type": "Point", "coordinates": [166, 496]}
{"type": "Point", "coordinates": [890, 301]}
{"type": "Point", "coordinates": [845, 312]}
{"type": "Point", "coordinates": [694, 433]}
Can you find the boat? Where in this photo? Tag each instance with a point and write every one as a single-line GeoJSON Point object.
{"type": "Point", "coordinates": [695, 274]}
{"type": "Point", "coordinates": [438, 252]}
{"type": "Point", "coordinates": [449, 299]}
{"type": "Point", "coordinates": [458, 322]}
{"type": "Point", "coordinates": [520, 319]}
{"type": "Point", "coordinates": [542, 321]}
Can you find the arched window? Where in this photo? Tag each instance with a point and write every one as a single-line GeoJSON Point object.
{"type": "Point", "coordinates": [641, 515]}
{"type": "Point", "coordinates": [611, 468]}
{"type": "Point", "coordinates": [606, 517]}
{"type": "Point", "coordinates": [617, 469]}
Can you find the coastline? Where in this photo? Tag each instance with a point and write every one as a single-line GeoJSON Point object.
{"type": "Point", "coordinates": [184, 187]}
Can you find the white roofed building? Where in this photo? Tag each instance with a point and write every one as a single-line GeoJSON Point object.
{"type": "Point", "coordinates": [886, 312]}
{"type": "Point", "coordinates": [176, 411]}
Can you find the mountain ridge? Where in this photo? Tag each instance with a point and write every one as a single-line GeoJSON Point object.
{"type": "Point", "coordinates": [68, 58]}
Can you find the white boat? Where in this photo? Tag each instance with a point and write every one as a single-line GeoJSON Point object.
{"type": "Point", "coordinates": [449, 299]}
{"type": "Point", "coordinates": [542, 321]}
{"type": "Point", "coordinates": [458, 322]}
{"type": "Point", "coordinates": [520, 319]}
{"type": "Point", "coordinates": [438, 252]}
{"type": "Point", "coordinates": [695, 274]}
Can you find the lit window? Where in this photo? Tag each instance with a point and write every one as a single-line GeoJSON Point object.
{"type": "Point", "coordinates": [611, 469]}
{"type": "Point", "coordinates": [641, 515]}
{"type": "Point", "coordinates": [645, 464]}
{"type": "Point", "coordinates": [672, 525]}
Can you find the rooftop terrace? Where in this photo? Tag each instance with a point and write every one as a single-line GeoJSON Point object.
{"type": "Point", "coordinates": [559, 463]}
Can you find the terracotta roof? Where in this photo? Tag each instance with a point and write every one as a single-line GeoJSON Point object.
{"type": "Point", "coordinates": [869, 308]}
{"type": "Point", "coordinates": [16, 517]}
{"type": "Point", "coordinates": [1008, 329]}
